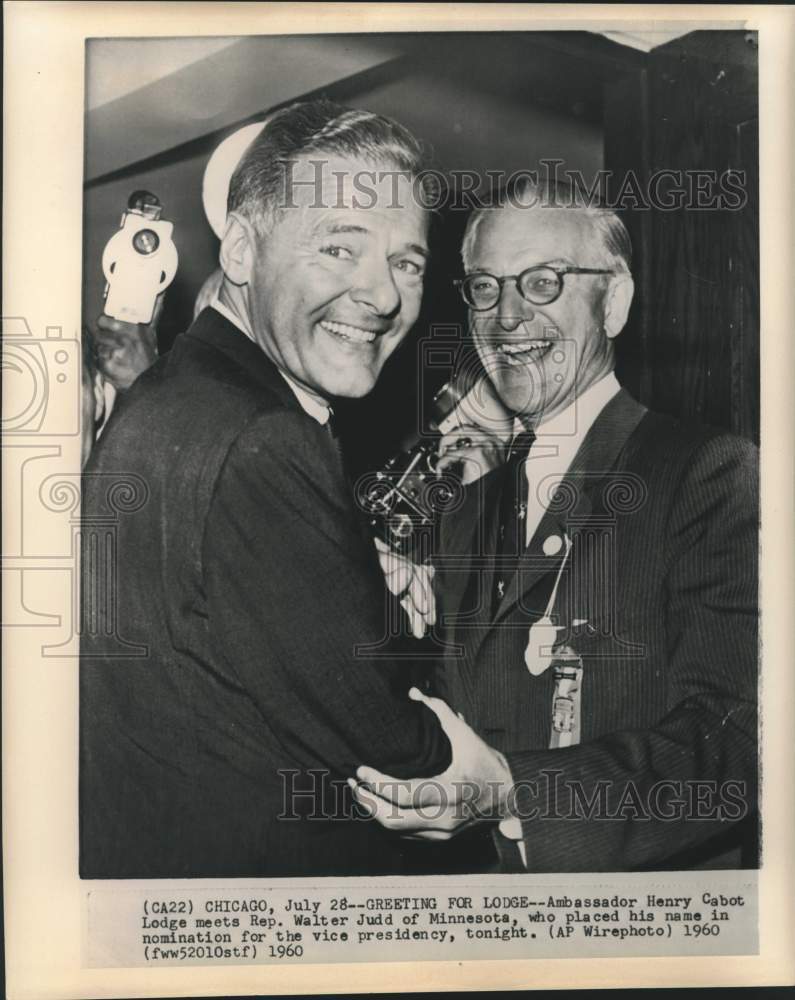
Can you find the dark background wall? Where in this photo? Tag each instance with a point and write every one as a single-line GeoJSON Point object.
{"type": "Point", "coordinates": [483, 102]}
{"type": "Point", "coordinates": [692, 347]}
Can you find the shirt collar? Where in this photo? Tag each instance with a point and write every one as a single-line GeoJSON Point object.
{"type": "Point", "coordinates": [308, 403]}
{"type": "Point", "coordinates": [583, 410]}
{"type": "Point", "coordinates": [227, 313]}
{"type": "Point", "coordinates": [573, 423]}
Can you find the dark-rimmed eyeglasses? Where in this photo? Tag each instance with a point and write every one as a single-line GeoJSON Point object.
{"type": "Point", "coordinates": [539, 285]}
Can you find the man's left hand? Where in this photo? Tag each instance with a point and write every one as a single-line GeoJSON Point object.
{"type": "Point", "coordinates": [475, 787]}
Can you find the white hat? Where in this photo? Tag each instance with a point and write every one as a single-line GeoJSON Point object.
{"type": "Point", "coordinates": [219, 170]}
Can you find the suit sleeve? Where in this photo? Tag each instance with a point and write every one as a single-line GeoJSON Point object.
{"type": "Point", "coordinates": [295, 595]}
{"type": "Point", "coordinates": [672, 788]}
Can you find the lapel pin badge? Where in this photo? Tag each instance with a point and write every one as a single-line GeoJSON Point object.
{"type": "Point", "coordinates": [539, 652]}
{"type": "Point", "coordinates": [552, 545]}
{"type": "Point", "coordinates": [541, 645]}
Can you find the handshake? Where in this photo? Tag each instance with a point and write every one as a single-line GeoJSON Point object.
{"type": "Point", "coordinates": [477, 786]}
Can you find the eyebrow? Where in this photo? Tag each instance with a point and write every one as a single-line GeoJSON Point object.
{"type": "Point", "coordinates": [486, 269]}
{"type": "Point", "coordinates": [346, 227]}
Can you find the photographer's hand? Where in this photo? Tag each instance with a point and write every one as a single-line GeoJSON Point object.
{"type": "Point", "coordinates": [475, 788]}
{"type": "Point", "coordinates": [126, 350]}
{"type": "Point", "coordinates": [412, 584]}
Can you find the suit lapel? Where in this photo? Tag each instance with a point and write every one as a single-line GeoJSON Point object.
{"type": "Point", "coordinates": [579, 493]}
{"type": "Point", "coordinates": [468, 536]}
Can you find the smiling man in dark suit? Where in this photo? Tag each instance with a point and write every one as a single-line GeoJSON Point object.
{"type": "Point", "coordinates": [243, 583]}
{"type": "Point", "coordinates": [598, 591]}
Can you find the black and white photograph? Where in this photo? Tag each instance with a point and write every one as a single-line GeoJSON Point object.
{"type": "Point", "coordinates": [227, 691]}
{"type": "Point", "coordinates": [409, 512]}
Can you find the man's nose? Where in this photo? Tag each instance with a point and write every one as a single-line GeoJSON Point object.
{"type": "Point", "coordinates": [376, 289]}
{"type": "Point", "coordinates": [512, 307]}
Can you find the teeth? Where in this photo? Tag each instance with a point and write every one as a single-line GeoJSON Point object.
{"type": "Point", "coordinates": [348, 332]}
{"type": "Point", "coordinates": [528, 348]}
{"type": "Point", "coordinates": [524, 346]}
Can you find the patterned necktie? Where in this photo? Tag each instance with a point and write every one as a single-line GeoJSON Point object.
{"type": "Point", "coordinates": [511, 541]}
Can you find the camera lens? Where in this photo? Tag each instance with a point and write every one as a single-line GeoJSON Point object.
{"type": "Point", "coordinates": [146, 241]}
{"type": "Point", "coordinates": [400, 526]}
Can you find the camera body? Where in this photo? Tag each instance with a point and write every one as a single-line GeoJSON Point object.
{"type": "Point", "coordinates": [405, 500]}
{"type": "Point", "coordinates": [139, 261]}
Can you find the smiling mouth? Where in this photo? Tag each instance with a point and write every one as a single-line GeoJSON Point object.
{"type": "Point", "coordinates": [523, 352]}
{"type": "Point", "coordinates": [348, 333]}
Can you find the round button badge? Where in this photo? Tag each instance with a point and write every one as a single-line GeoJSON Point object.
{"type": "Point", "coordinates": [552, 545]}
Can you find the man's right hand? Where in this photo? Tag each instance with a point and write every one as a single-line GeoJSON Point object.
{"type": "Point", "coordinates": [475, 788]}
{"type": "Point", "coordinates": [475, 449]}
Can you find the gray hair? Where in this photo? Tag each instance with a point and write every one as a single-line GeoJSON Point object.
{"type": "Point", "coordinates": [316, 127]}
{"type": "Point", "coordinates": [526, 193]}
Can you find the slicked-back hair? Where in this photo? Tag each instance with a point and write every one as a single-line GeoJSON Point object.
{"type": "Point", "coordinates": [257, 187]}
{"type": "Point", "coordinates": [528, 194]}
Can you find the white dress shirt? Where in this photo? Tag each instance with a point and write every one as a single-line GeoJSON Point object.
{"type": "Point", "coordinates": [557, 442]}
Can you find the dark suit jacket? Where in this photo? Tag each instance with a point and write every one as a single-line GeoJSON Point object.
{"type": "Point", "coordinates": [242, 574]}
{"type": "Point", "coordinates": [663, 521]}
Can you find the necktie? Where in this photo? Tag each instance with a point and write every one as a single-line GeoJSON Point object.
{"type": "Point", "coordinates": [512, 514]}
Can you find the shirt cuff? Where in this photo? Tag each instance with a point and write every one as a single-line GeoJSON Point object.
{"type": "Point", "coordinates": [511, 829]}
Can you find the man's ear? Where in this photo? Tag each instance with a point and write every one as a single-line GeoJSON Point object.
{"type": "Point", "coordinates": [237, 249]}
{"type": "Point", "coordinates": [618, 299]}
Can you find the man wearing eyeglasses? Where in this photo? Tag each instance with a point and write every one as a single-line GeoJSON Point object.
{"type": "Point", "coordinates": [599, 587]}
